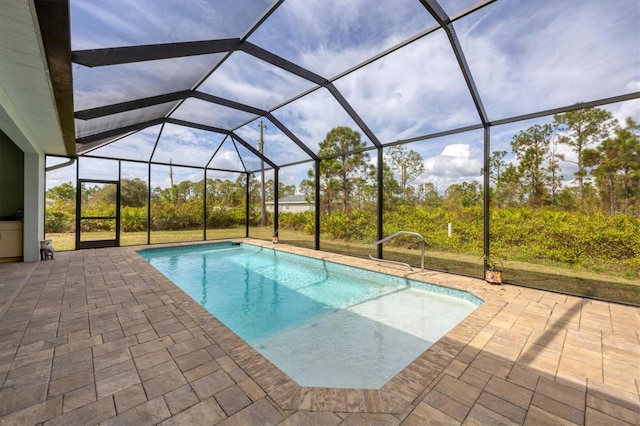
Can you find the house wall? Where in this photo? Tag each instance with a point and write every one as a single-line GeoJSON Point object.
{"type": "Point", "coordinates": [11, 178]}
{"type": "Point", "coordinates": [33, 205]}
{"type": "Point", "coordinates": [291, 208]}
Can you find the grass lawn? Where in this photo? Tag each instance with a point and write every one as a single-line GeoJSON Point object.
{"type": "Point", "coordinates": [607, 285]}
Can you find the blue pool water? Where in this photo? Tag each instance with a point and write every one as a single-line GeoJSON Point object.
{"type": "Point", "coordinates": [322, 323]}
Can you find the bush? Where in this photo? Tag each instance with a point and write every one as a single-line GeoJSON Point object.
{"type": "Point", "coordinates": [222, 217]}
{"type": "Point", "coordinates": [174, 216]}
{"type": "Point", "coordinates": [133, 219]}
{"type": "Point", "coordinates": [302, 221]}
{"type": "Point", "coordinates": [356, 225]}
{"type": "Point", "coordinates": [59, 218]}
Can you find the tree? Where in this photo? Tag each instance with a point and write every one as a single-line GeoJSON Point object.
{"type": "Point", "coordinates": [500, 174]}
{"type": "Point", "coordinates": [186, 190]}
{"type": "Point", "coordinates": [63, 192]}
{"type": "Point", "coordinates": [554, 179]}
{"type": "Point", "coordinates": [465, 194]}
{"type": "Point", "coordinates": [169, 195]}
{"type": "Point", "coordinates": [133, 193]}
{"type": "Point", "coordinates": [326, 188]}
{"type": "Point", "coordinates": [532, 149]}
{"type": "Point", "coordinates": [235, 192]}
{"type": "Point", "coordinates": [89, 192]}
{"type": "Point", "coordinates": [308, 189]}
{"type": "Point", "coordinates": [616, 163]}
{"type": "Point", "coordinates": [427, 194]}
{"type": "Point", "coordinates": [284, 190]}
{"type": "Point", "coordinates": [567, 199]}
{"type": "Point", "coordinates": [581, 129]}
{"type": "Point", "coordinates": [508, 191]}
{"type": "Point", "coordinates": [225, 192]}
{"type": "Point", "coordinates": [408, 164]}
{"type": "Point", "coordinates": [255, 191]}
{"type": "Point", "coordinates": [339, 172]}
{"type": "Point", "coordinates": [496, 165]}
{"type": "Point", "coordinates": [390, 187]}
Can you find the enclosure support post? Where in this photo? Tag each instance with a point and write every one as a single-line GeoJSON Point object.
{"type": "Point", "coordinates": [118, 203]}
{"type": "Point", "coordinates": [78, 198]}
{"type": "Point", "coordinates": [153, 151]}
{"type": "Point", "coordinates": [486, 192]}
{"type": "Point", "coordinates": [204, 207]}
{"type": "Point", "coordinates": [380, 177]}
{"type": "Point", "coordinates": [276, 196]}
{"type": "Point", "coordinates": [317, 207]}
{"type": "Point", "coordinates": [246, 213]}
{"type": "Point", "coordinates": [149, 203]}
{"type": "Point", "coordinates": [263, 202]}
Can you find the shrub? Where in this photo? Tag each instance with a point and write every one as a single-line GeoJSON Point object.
{"type": "Point", "coordinates": [59, 218]}
{"type": "Point", "coordinates": [133, 219]}
{"type": "Point", "coordinates": [222, 217]}
{"type": "Point", "coordinates": [297, 221]}
{"type": "Point", "coordinates": [356, 225]}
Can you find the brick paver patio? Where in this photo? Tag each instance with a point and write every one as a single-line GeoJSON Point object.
{"type": "Point", "coordinates": [101, 337]}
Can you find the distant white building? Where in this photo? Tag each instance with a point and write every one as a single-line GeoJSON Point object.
{"type": "Point", "coordinates": [292, 204]}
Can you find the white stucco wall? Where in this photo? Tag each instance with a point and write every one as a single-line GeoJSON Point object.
{"type": "Point", "coordinates": [33, 205]}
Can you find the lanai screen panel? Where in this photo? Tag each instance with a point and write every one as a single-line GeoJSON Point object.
{"type": "Point", "coordinates": [234, 157]}
{"type": "Point", "coordinates": [532, 56]}
{"type": "Point", "coordinates": [311, 117]}
{"type": "Point", "coordinates": [100, 86]}
{"type": "Point", "coordinates": [121, 120]}
{"type": "Point", "coordinates": [384, 68]}
{"type": "Point", "coordinates": [245, 79]}
{"type": "Point", "coordinates": [329, 37]}
{"type": "Point", "coordinates": [451, 159]}
{"type": "Point", "coordinates": [414, 91]}
{"type": "Point", "coordinates": [120, 23]}
{"type": "Point", "coordinates": [97, 168]}
{"type": "Point", "coordinates": [210, 114]}
{"type": "Point", "coordinates": [132, 23]}
{"type": "Point", "coordinates": [134, 203]}
{"type": "Point", "coordinates": [278, 147]}
{"type": "Point", "coordinates": [453, 7]}
{"type": "Point", "coordinates": [137, 146]}
{"type": "Point", "coordinates": [186, 146]}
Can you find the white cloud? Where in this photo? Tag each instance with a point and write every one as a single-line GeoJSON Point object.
{"type": "Point", "coordinates": [626, 109]}
{"type": "Point", "coordinates": [293, 175]}
{"type": "Point", "coordinates": [456, 163]}
{"type": "Point", "coordinates": [227, 158]}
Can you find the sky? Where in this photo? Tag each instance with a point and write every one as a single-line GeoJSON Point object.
{"type": "Point", "coordinates": [524, 57]}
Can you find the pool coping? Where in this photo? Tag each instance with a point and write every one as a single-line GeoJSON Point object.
{"type": "Point", "coordinates": [399, 394]}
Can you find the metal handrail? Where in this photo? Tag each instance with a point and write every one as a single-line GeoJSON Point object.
{"type": "Point", "coordinates": [395, 234]}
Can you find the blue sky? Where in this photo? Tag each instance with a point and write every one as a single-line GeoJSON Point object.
{"type": "Point", "coordinates": [524, 56]}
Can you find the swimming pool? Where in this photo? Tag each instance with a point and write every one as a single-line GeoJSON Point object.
{"type": "Point", "coordinates": [322, 323]}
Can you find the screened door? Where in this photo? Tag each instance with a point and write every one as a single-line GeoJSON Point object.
{"type": "Point", "coordinates": [98, 214]}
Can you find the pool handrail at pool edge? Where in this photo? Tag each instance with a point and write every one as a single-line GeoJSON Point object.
{"type": "Point", "coordinates": [395, 234]}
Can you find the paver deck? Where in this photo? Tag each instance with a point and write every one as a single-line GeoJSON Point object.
{"type": "Point", "coordinates": [101, 337]}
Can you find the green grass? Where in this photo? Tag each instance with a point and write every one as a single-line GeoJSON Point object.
{"type": "Point", "coordinates": [603, 283]}
{"type": "Point", "coordinates": [67, 241]}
